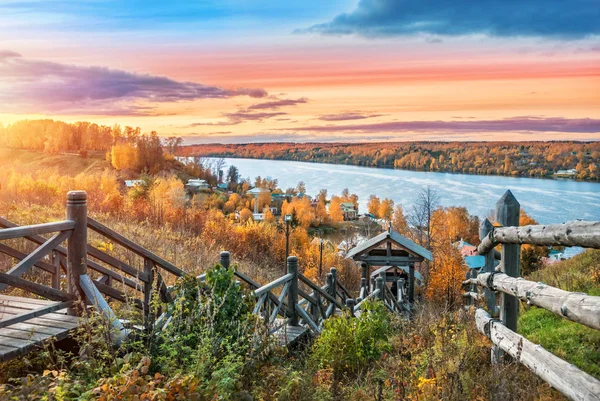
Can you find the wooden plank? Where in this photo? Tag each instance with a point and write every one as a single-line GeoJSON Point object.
{"type": "Point", "coordinates": [35, 313]}
{"type": "Point", "coordinates": [132, 246]}
{"type": "Point", "coordinates": [115, 276]}
{"type": "Point", "coordinates": [38, 289]}
{"type": "Point", "coordinates": [36, 256]}
{"type": "Point", "coordinates": [575, 306]}
{"type": "Point", "coordinates": [23, 334]}
{"type": "Point", "coordinates": [17, 342]}
{"type": "Point", "coordinates": [566, 378]}
{"type": "Point", "coordinates": [10, 298]}
{"type": "Point", "coordinates": [36, 328]}
{"type": "Point", "coordinates": [36, 229]}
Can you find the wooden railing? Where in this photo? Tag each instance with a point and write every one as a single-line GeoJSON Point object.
{"type": "Point", "coordinates": [503, 289]}
{"type": "Point", "coordinates": [93, 274]}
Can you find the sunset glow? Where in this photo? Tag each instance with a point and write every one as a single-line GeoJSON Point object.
{"type": "Point", "coordinates": [235, 72]}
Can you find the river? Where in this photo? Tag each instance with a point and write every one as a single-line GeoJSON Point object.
{"type": "Point", "coordinates": [546, 200]}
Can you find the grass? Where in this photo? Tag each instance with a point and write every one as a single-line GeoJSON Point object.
{"type": "Point", "coordinates": [66, 164]}
{"type": "Point", "coordinates": [573, 342]}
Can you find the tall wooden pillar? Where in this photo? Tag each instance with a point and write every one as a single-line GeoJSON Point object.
{"type": "Point", "coordinates": [292, 268]}
{"type": "Point", "coordinates": [411, 283]}
{"type": "Point", "coordinates": [77, 242]}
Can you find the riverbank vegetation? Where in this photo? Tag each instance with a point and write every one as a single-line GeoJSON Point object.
{"type": "Point", "coordinates": [216, 350]}
{"type": "Point", "coordinates": [518, 159]}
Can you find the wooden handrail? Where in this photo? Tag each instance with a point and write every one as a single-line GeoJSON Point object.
{"type": "Point", "coordinates": [585, 234]}
{"type": "Point", "coordinates": [36, 229]}
{"type": "Point", "coordinates": [132, 246]}
{"type": "Point", "coordinates": [318, 289]}
{"type": "Point", "coordinates": [92, 251]}
{"type": "Point", "coordinates": [13, 253]}
{"type": "Point", "coordinates": [37, 255]}
{"type": "Point", "coordinates": [578, 307]}
{"type": "Point", "coordinates": [566, 378]}
{"type": "Point", "coordinates": [38, 289]}
{"type": "Point", "coordinates": [273, 284]}
{"type": "Point", "coordinates": [374, 294]}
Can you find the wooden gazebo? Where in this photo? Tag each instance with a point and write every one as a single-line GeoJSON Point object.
{"type": "Point", "coordinates": [394, 254]}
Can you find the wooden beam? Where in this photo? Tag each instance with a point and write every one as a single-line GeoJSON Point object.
{"type": "Point", "coordinates": [319, 290]}
{"type": "Point", "coordinates": [119, 296]}
{"type": "Point", "coordinates": [36, 229]}
{"type": "Point", "coordinates": [566, 378]}
{"type": "Point", "coordinates": [35, 313]}
{"type": "Point", "coordinates": [37, 255]}
{"type": "Point", "coordinates": [273, 284]}
{"type": "Point", "coordinates": [575, 306]}
{"type": "Point", "coordinates": [388, 261]}
{"type": "Point", "coordinates": [13, 253]}
{"type": "Point", "coordinates": [38, 289]}
{"type": "Point", "coordinates": [585, 234]}
{"type": "Point", "coordinates": [132, 246]}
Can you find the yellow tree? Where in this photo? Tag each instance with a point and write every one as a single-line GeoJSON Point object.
{"type": "Point", "coordinates": [373, 205]}
{"type": "Point", "coordinates": [386, 209]}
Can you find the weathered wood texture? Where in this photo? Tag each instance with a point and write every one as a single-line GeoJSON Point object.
{"type": "Point", "coordinates": [566, 378]}
{"type": "Point", "coordinates": [585, 234]}
{"type": "Point", "coordinates": [38, 289]}
{"type": "Point", "coordinates": [18, 338]}
{"type": "Point", "coordinates": [36, 229]}
{"type": "Point", "coordinates": [575, 306]}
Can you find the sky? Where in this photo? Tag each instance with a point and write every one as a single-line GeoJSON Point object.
{"type": "Point", "coordinates": [234, 71]}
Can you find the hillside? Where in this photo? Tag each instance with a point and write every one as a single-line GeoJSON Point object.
{"type": "Point", "coordinates": [69, 164]}
{"type": "Point", "coordinates": [571, 341]}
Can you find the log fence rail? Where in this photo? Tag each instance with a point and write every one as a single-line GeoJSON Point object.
{"type": "Point", "coordinates": [504, 289]}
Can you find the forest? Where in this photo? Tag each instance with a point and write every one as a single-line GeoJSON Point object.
{"type": "Point", "coordinates": [519, 159]}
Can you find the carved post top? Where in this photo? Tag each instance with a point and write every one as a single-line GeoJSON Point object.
{"type": "Point", "coordinates": [484, 228]}
{"type": "Point", "coordinates": [292, 264]}
{"type": "Point", "coordinates": [76, 197]}
{"type": "Point", "coordinates": [225, 258]}
{"type": "Point", "coordinates": [508, 210]}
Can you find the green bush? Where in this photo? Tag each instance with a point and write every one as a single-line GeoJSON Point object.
{"type": "Point", "coordinates": [348, 344]}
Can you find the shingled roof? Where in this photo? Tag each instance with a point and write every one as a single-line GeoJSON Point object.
{"type": "Point", "coordinates": [395, 237]}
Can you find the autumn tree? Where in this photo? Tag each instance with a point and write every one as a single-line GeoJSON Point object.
{"type": "Point", "coordinates": [374, 205]}
{"type": "Point", "coordinates": [386, 209]}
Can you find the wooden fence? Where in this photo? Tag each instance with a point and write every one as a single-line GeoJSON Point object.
{"type": "Point", "coordinates": [92, 274]}
{"type": "Point", "coordinates": [504, 289]}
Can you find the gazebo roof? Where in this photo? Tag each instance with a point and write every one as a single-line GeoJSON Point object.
{"type": "Point", "coordinates": [392, 236]}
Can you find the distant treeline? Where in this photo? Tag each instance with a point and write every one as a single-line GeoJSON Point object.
{"type": "Point", "coordinates": [525, 159]}
{"type": "Point", "coordinates": [126, 148]}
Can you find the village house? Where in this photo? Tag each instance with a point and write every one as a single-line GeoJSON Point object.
{"type": "Point", "coordinates": [133, 183]}
{"type": "Point", "coordinates": [465, 248]}
{"type": "Point", "coordinates": [566, 173]}
{"type": "Point", "coordinates": [195, 185]}
{"type": "Point", "coordinates": [349, 211]}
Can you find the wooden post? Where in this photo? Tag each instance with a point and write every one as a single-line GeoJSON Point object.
{"type": "Point", "coordinates": [149, 270]}
{"type": "Point", "coordinates": [334, 279]}
{"type": "Point", "coordinates": [225, 259]}
{"type": "Point", "coordinates": [292, 268]}
{"type": "Point", "coordinates": [77, 242]}
{"type": "Point", "coordinates": [329, 279]}
{"type": "Point", "coordinates": [400, 295]}
{"type": "Point", "coordinates": [350, 303]}
{"type": "Point", "coordinates": [379, 285]}
{"type": "Point", "coordinates": [507, 214]}
{"type": "Point", "coordinates": [490, 296]}
{"type": "Point", "coordinates": [364, 278]}
{"type": "Point", "coordinates": [411, 283]}
{"type": "Point", "coordinates": [56, 275]}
